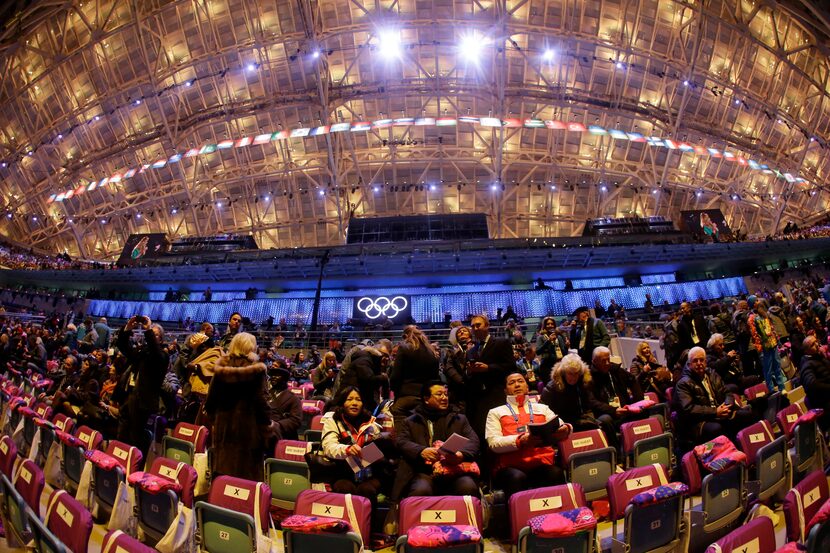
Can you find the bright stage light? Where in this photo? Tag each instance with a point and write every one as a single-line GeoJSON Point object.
{"type": "Point", "coordinates": [389, 43]}
{"type": "Point", "coordinates": [548, 55]}
{"type": "Point", "coordinates": [471, 46]}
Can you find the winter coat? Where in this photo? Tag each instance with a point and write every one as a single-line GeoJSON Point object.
{"type": "Point", "coordinates": [685, 334]}
{"type": "Point", "coordinates": [238, 407]}
{"type": "Point", "coordinates": [502, 433]}
{"type": "Point", "coordinates": [413, 367]}
{"type": "Point", "coordinates": [286, 414]}
{"type": "Point", "coordinates": [414, 436]}
{"type": "Point", "coordinates": [571, 403]}
{"type": "Point", "coordinates": [693, 404]}
{"type": "Point", "coordinates": [364, 372]}
{"type": "Point", "coordinates": [815, 377]}
{"type": "Point", "coordinates": [455, 372]}
{"type": "Point", "coordinates": [646, 374]}
{"type": "Point", "coordinates": [596, 335]}
{"type": "Point", "coordinates": [149, 364]}
{"type": "Point", "coordinates": [624, 385]}
{"type": "Point", "coordinates": [550, 351]}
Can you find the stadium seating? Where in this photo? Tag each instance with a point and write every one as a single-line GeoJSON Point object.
{"type": "Point", "coordinates": [802, 502]}
{"type": "Point", "coordinates": [645, 442]}
{"type": "Point", "coordinates": [448, 515]}
{"type": "Point", "coordinates": [184, 442]}
{"type": "Point", "coordinates": [758, 535]}
{"type": "Point", "coordinates": [589, 461]}
{"type": "Point", "coordinates": [287, 473]}
{"type": "Point", "coordinates": [767, 457]}
{"type": "Point", "coordinates": [67, 524]}
{"type": "Point", "coordinates": [19, 496]}
{"type": "Point", "coordinates": [354, 510]}
{"type": "Point", "coordinates": [156, 506]}
{"type": "Point", "coordinates": [234, 516]}
{"type": "Point", "coordinates": [543, 501]}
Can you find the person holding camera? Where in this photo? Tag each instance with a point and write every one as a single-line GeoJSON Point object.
{"type": "Point", "coordinates": [551, 347]}
{"type": "Point", "coordinates": [651, 375]}
{"type": "Point", "coordinates": [728, 365]}
{"type": "Point", "coordinates": [139, 389]}
{"type": "Point", "coordinates": [705, 410]}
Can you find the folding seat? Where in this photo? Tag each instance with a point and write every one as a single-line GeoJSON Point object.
{"type": "Point", "coordinates": [807, 448]}
{"type": "Point", "coordinates": [756, 392]}
{"type": "Point", "coordinates": [184, 442]}
{"type": "Point", "coordinates": [315, 527]}
{"type": "Point", "coordinates": [85, 439]}
{"type": "Point", "coordinates": [440, 523]}
{"type": "Point", "coordinates": [646, 442]}
{"type": "Point", "coordinates": [158, 493]}
{"type": "Point", "coordinates": [235, 517]}
{"type": "Point", "coordinates": [659, 410]}
{"type": "Point", "coordinates": [109, 469]}
{"type": "Point", "coordinates": [787, 416]}
{"type": "Point", "coordinates": [116, 541]}
{"type": "Point", "coordinates": [8, 456]}
{"type": "Point", "coordinates": [530, 504]}
{"type": "Point", "coordinates": [66, 526]}
{"type": "Point", "coordinates": [818, 531]}
{"type": "Point", "coordinates": [589, 461]}
{"type": "Point", "coordinates": [775, 402]}
{"type": "Point", "coordinates": [767, 457]}
{"type": "Point", "coordinates": [315, 429]}
{"type": "Point", "coordinates": [311, 408]}
{"type": "Point", "coordinates": [40, 411]}
{"type": "Point", "coordinates": [47, 434]}
{"type": "Point", "coordinates": [23, 494]}
{"type": "Point", "coordinates": [802, 502]}
{"type": "Point", "coordinates": [757, 535]}
{"type": "Point", "coordinates": [287, 473]}
{"type": "Point", "coordinates": [651, 506]}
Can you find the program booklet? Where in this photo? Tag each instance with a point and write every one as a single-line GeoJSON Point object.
{"type": "Point", "coordinates": [545, 430]}
{"type": "Point", "coordinates": [368, 455]}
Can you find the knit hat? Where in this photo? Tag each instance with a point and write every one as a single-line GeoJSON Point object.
{"type": "Point", "coordinates": [751, 301]}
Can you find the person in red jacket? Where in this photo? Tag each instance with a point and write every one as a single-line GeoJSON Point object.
{"type": "Point", "coordinates": [522, 459]}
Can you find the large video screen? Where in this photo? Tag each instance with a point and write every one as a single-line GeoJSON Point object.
{"type": "Point", "coordinates": [139, 247]}
{"type": "Point", "coordinates": [707, 224]}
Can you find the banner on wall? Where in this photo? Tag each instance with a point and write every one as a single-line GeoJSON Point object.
{"type": "Point", "coordinates": [705, 223]}
{"type": "Point", "coordinates": [139, 247]}
{"type": "Point", "coordinates": [375, 309]}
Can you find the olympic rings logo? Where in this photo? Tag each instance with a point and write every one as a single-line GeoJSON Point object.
{"type": "Point", "coordinates": [374, 308]}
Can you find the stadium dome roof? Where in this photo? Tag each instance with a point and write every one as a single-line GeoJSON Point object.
{"type": "Point", "coordinates": [582, 109]}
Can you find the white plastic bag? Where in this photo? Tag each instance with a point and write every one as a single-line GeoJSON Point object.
{"type": "Point", "coordinates": [123, 515]}
{"type": "Point", "coordinates": [52, 469]}
{"type": "Point", "coordinates": [180, 537]}
{"type": "Point", "coordinates": [35, 448]}
{"type": "Point", "coordinates": [200, 463]}
{"type": "Point", "coordinates": [84, 493]}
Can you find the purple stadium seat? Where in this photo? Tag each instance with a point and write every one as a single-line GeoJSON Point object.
{"type": "Point", "coordinates": [8, 454]}
{"type": "Point", "coordinates": [767, 456]}
{"type": "Point", "coordinates": [238, 494]}
{"type": "Point", "coordinates": [117, 541]}
{"type": "Point", "coordinates": [757, 536]}
{"type": "Point", "coordinates": [589, 461]}
{"type": "Point", "coordinates": [313, 503]}
{"type": "Point", "coordinates": [235, 511]}
{"type": "Point", "coordinates": [623, 486]}
{"type": "Point", "coordinates": [17, 498]}
{"type": "Point", "coordinates": [645, 442]}
{"type": "Point", "coordinates": [802, 502]}
{"type": "Point", "coordinates": [787, 416]}
{"type": "Point", "coordinates": [541, 501]}
{"type": "Point", "coordinates": [68, 521]}
{"type": "Point", "coordinates": [417, 512]}
{"type": "Point", "coordinates": [29, 482]}
{"type": "Point", "coordinates": [757, 391]}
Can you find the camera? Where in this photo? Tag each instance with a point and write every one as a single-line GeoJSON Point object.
{"type": "Point", "coordinates": [141, 319]}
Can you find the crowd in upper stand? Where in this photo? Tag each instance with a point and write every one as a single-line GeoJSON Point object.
{"type": "Point", "coordinates": [496, 390]}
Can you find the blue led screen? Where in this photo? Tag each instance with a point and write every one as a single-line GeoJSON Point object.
{"type": "Point", "coordinates": [426, 307]}
{"type": "Point", "coordinates": [664, 278]}
{"type": "Point", "coordinates": [610, 282]}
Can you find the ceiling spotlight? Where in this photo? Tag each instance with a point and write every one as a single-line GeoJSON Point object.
{"type": "Point", "coordinates": [432, 188]}
{"type": "Point", "coordinates": [375, 189]}
{"type": "Point", "coordinates": [188, 83]}
{"type": "Point", "coordinates": [250, 67]}
{"type": "Point", "coordinates": [4, 165]}
{"type": "Point", "coordinates": [35, 218]}
{"type": "Point", "coordinates": [97, 118]}
{"type": "Point", "coordinates": [60, 136]}
{"type": "Point", "coordinates": [8, 215]}
{"type": "Point", "coordinates": [553, 187]}
{"type": "Point", "coordinates": [737, 102]}
{"type": "Point", "coordinates": [103, 221]}
{"type": "Point", "coordinates": [71, 221]}
{"type": "Point", "coordinates": [137, 102]}
{"type": "Point", "coordinates": [322, 192]}
{"type": "Point", "coordinates": [548, 55]}
{"type": "Point", "coordinates": [138, 215]}
{"type": "Point", "coordinates": [389, 43]}
{"type": "Point", "coordinates": [218, 204]}
{"type": "Point", "coordinates": [315, 54]}
{"type": "Point", "coordinates": [471, 46]}
{"type": "Point", "coordinates": [174, 211]}
{"type": "Point", "coordinates": [603, 188]}
{"type": "Point", "coordinates": [685, 83]}
{"type": "Point", "coordinates": [620, 65]}
{"type": "Point", "coordinates": [267, 198]}
{"type": "Point", "coordinates": [493, 187]}
{"type": "Point", "coordinates": [698, 193]}
{"type": "Point", "coordinates": [654, 191]}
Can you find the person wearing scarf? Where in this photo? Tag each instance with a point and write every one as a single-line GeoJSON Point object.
{"type": "Point", "coordinates": [346, 430]}
{"type": "Point", "coordinates": [650, 374]}
{"type": "Point", "coordinates": [522, 460]}
{"type": "Point", "coordinates": [765, 341]}
{"type": "Point", "coordinates": [419, 438]}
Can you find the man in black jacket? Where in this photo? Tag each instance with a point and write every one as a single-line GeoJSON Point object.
{"type": "Point", "coordinates": [286, 407]}
{"type": "Point", "coordinates": [815, 377]}
{"type": "Point", "coordinates": [142, 381]}
{"type": "Point", "coordinates": [692, 330]}
{"type": "Point", "coordinates": [489, 363]}
{"type": "Point", "coordinates": [704, 409]}
{"type": "Point", "coordinates": [434, 420]}
{"type": "Point", "coordinates": [588, 333]}
{"type": "Point", "coordinates": [367, 371]}
{"type": "Point", "coordinates": [612, 390]}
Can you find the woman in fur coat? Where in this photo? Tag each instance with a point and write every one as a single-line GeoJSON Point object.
{"type": "Point", "coordinates": [237, 405]}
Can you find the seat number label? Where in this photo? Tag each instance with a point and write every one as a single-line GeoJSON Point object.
{"type": "Point", "coordinates": [223, 535]}
{"type": "Point", "coordinates": [655, 524]}
{"type": "Point", "coordinates": [294, 450]}
{"type": "Point", "coordinates": [593, 471]}
{"type": "Point", "coordinates": [545, 503]}
{"type": "Point", "coordinates": [186, 431]}
{"type": "Point", "coordinates": [642, 429]}
{"type": "Point", "coordinates": [792, 417]}
{"type": "Point", "coordinates": [237, 493]}
{"type": "Point", "coordinates": [811, 497]}
{"type": "Point", "coordinates": [637, 483]}
{"type": "Point", "coordinates": [324, 510]}
{"type": "Point", "coordinates": [287, 481]}
{"type": "Point", "coordinates": [26, 475]}
{"type": "Point", "coordinates": [447, 517]}
{"type": "Point", "coordinates": [84, 437]}
{"type": "Point", "coordinates": [120, 453]}
{"type": "Point", "coordinates": [724, 493]}
{"type": "Point", "coordinates": [168, 472]}
{"type": "Point", "coordinates": [583, 442]}
{"type": "Point", "coordinates": [154, 507]}
{"type": "Point", "coordinates": [4, 447]}
{"type": "Point", "coordinates": [64, 513]}
{"type": "Point", "coordinates": [756, 438]}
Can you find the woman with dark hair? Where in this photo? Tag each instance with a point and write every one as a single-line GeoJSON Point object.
{"type": "Point", "coordinates": [346, 431]}
{"type": "Point", "coordinates": [652, 376]}
{"type": "Point", "coordinates": [415, 364]}
{"type": "Point", "coordinates": [455, 364]}
{"type": "Point", "coordinates": [551, 347]}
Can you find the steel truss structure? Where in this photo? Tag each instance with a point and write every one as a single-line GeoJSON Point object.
{"type": "Point", "coordinates": [90, 88]}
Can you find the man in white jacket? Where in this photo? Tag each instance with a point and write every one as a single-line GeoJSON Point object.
{"type": "Point", "coordinates": [522, 458]}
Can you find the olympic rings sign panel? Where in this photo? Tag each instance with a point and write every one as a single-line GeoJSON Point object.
{"type": "Point", "coordinates": [378, 307]}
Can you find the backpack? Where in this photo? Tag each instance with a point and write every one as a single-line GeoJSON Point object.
{"type": "Point", "coordinates": [200, 380]}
